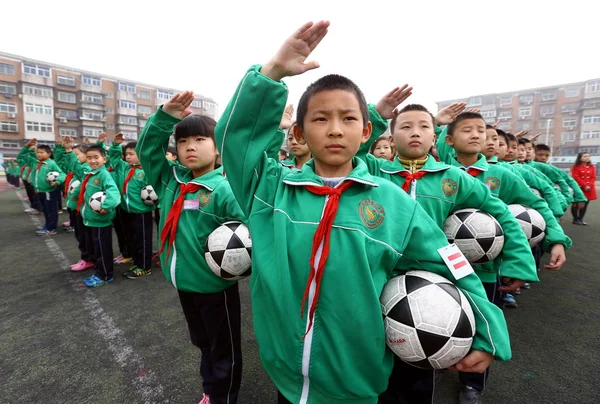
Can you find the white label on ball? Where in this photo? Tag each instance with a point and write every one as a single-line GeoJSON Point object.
{"type": "Point", "coordinates": [455, 261]}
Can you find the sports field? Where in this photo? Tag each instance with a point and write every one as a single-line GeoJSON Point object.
{"type": "Point", "coordinates": [128, 342]}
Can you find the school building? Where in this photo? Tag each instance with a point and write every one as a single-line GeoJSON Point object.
{"type": "Point", "coordinates": [43, 100]}
{"type": "Point", "coordinates": [567, 116]}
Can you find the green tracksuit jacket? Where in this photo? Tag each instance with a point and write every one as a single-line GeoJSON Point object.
{"type": "Point", "coordinates": [39, 175]}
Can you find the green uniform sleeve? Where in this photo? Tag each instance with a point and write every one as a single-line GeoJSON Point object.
{"type": "Point", "coordinates": [444, 150]}
{"type": "Point", "coordinates": [379, 125]}
{"type": "Point", "coordinates": [26, 157]}
{"type": "Point", "coordinates": [152, 147]}
{"type": "Point", "coordinates": [548, 192]}
{"type": "Point", "coordinates": [115, 157]}
{"type": "Point", "coordinates": [273, 151]}
{"type": "Point", "coordinates": [424, 238]}
{"type": "Point", "coordinates": [578, 195]}
{"type": "Point", "coordinates": [113, 196]}
{"type": "Point", "coordinates": [247, 125]}
{"type": "Point", "coordinates": [61, 174]}
{"type": "Point", "coordinates": [556, 178]}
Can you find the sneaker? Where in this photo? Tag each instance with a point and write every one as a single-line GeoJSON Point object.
{"type": "Point", "coordinates": [517, 292]}
{"type": "Point", "coordinates": [125, 261]}
{"type": "Point", "coordinates": [50, 233]}
{"type": "Point", "coordinates": [71, 230]}
{"type": "Point", "coordinates": [509, 301]}
{"type": "Point", "coordinates": [67, 223]}
{"type": "Point", "coordinates": [527, 285]}
{"type": "Point", "coordinates": [118, 259]}
{"type": "Point", "coordinates": [35, 212]}
{"type": "Point", "coordinates": [29, 210]}
{"type": "Point", "coordinates": [76, 264]}
{"type": "Point", "coordinates": [82, 266]}
{"type": "Point", "coordinates": [41, 232]}
{"type": "Point", "coordinates": [93, 281]}
{"type": "Point", "coordinates": [468, 395]}
{"type": "Point", "coordinates": [60, 212]}
{"type": "Point", "coordinates": [205, 399]}
{"type": "Point", "coordinates": [135, 272]}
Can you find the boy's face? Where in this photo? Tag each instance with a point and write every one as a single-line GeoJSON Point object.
{"type": "Point", "coordinates": [468, 137]}
{"type": "Point", "coordinates": [197, 152]}
{"type": "Point", "coordinates": [80, 155]}
{"type": "Point", "coordinates": [542, 156]}
{"type": "Point", "coordinates": [333, 130]}
{"type": "Point", "coordinates": [530, 151]}
{"type": "Point", "coordinates": [502, 148]}
{"type": "Point", "coordinates": [521, 153]}
{"type": "Point", "coordinates": [131, 157]}
{"type": "Point", "coordinates": [413, 134]}
{"type": "Point", "coordinates": [491, 143]}
{"type": "Point", "coordinates": [42, 155]}
{"type": "Point", "coordinates": [296, 149]}
{"type": "Point", "coordinates": [511, 152]}
{"type": "Point", "coordinates": [383, 149]}
{"type": "Point", "coordinates": [170, 156]}
{"type": "Point", "coordinates": [94, 159]}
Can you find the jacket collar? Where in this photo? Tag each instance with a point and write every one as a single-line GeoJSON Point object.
{"type": "Point", "coordinates": [209, 180]}
{"type": "Point", "coordinates": [307, 176]}
{"type": "Point", "coordinates": [431, 165]}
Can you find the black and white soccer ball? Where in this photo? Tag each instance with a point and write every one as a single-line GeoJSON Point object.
{"type": "Point", "coordinates": [478, 235]}
{"type": "Point", "coordinates": [428, 321]}
{"type": "Point", "coordinates": [532, 223]}
{"type": "Point", "coordinates": [149, 197]}
{"type": "Point", "coordinates": [535, 191]}
{"type": "Point", "coordinates": [73, 185]}
{"type": "Point", "coordinates": [96, 201]}
{"type": "Point", "coordinates": [229, 251]}
{"type": "Point", "coordinates": [52, 176]}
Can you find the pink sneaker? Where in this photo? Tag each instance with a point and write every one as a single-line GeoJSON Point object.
{"type": "Point", "coordinates": [67, 223]}
{"type": "Point", "coordinates": [205, 399]}
{"type": "Point", "coordinates": [76, 264]}
{"type": "Point", "coordinates": [82, 266]}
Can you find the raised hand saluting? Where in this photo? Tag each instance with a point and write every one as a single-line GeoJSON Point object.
{"type": "Point", "coordinates": [448, 114]}
{"type": "Point", "coordinates": [388, 104]}
{"type": "Point", "coordinates": [179, 105]}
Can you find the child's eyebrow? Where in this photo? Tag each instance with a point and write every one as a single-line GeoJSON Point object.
{"type": "Point", "coordinates": [328, 111]}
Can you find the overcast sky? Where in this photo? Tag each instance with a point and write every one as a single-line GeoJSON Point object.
{"type": "Point", "coordinates": [445, 49]}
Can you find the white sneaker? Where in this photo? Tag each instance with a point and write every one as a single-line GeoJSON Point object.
{"type": "Point", "coordinates": [28, 210]}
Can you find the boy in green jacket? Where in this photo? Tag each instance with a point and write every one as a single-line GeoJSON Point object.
{"type": "Point", "coordinates": [195, 200]}
{"type": "Point", "coordinates": [48, 192]}
{"type": "Point", "coordinates": [303, 297]}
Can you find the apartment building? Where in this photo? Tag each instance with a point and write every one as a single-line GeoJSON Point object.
{"type": "Point", "coordinates": [43, 100]}
{"type": "Point", "coordinates": [567, 115]}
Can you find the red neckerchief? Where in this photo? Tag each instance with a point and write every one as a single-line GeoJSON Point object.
{"type": "Point", "coordinates": [128, 177]}
{"type": "Point", "coordinates": [81, 198]}
{"type": "Point", "coordinates": [410, 177]}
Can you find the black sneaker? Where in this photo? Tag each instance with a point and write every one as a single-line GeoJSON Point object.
{"type": "Point", "coordinates": [468, 395]}
{"type": "Point", "coordinates": [136, 272]}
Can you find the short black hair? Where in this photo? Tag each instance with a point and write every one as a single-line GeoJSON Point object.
{"type": "Point", "coordinates": [130, 145]}
{"type": "Point", "coordinates": [542, 146]}
{"type": "Point", "coordinates": [379, 139]}
{"type": "Point", "coordinates": [97, 148]}
{"type": "Point", "coordinates": [196, 125]}
{"type": "Point", "coordinates": [80, 147]}
{"type": "Point", "coordinates": [408, 108]}
{"type": "Point", "coordinates": [463, 117]}
{"type": "Point", "coordinates": [511, 137]}
{"type": "Point", "coordinates": [331, 82]}
{"type": "Point", "coordinates": [45, 148]}
{"type": "Point", "coordinates": [488, 126]}
{"type": "Point", "coordinates": [523, 141]}
{"type": "Point", "coordinates": [173, 151]}
{"type": "Point", "coordinates": [500, 132]}
{"type": "Point", "coordinates": [283, 152]}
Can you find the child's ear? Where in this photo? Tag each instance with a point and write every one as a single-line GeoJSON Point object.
{"type": "Point", "coordinates": [299, 135]}
{"type": "Point", "coordinates": [449, 140]}
{"type": "Point", "coordinates": [391, 140]}
{"type": "Point", "coordinates": [366, 133]}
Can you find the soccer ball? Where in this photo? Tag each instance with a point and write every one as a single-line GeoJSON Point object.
{"type": "Point", "coordinates": [96, 201]}
{"type": "Point", "coordinates": [478, 235]}
{"type": "Point", "coordinates": [428, 321]}
{"type": "Point", "coordinates": [532, 223]}
{"type": "Point", "coordinates": [535, 191]}
{"type": "Point", "coordinates": [229, 251]}
{"type": "Point", "coordinates": [148, 195]}
{"type": "Point", "coordinates": [52, 176]}
{"type": "Point", "coordinates": [74, 184]}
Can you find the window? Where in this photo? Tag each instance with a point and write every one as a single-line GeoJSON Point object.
{"type": "Point", "coordinates": [592, 86]}
{"type": "Point", "coordinates": [142, 122]}
{"type": "Point", "coordinates": [6, 126]}
{"type": "Point", "coordinates": [591, 104]}
{"type": "Point", "coordinates": [589, 149]}
{"type": "Point", "coordinates": [110, 126]}
{"type": "Point", "coordinates": [488, 114]}
{"type": "Point", "coordinates": [130, 88]}
{"type": "Point", "coordinates": [67, 132]}
{"type": "Point", "coordinates": [92, 98]}
{"type": "Point", "coordinates": [571, 92]}
{"type": "Point", "coordinates": [547, 110]}
{"type": "Point", "coordinates": [127, 120]}
{"type": "Point", "coordinates": [37, 91]}
{"type": "Point", "coordinates": [525, 99]}
{"type": "Point", "coordinates": [38, 109]}
{"type": "Point", "coordinates": [546, 123]}
{"type": "Point", "coordinates": [5, 68]}
{"type": "Point", "coordinates": [505, 114]}
{"type": "Point", "coordinates": [91, 81]}
{"type": "Point", "coordinates": [127, 104]}
{"type": "Point", "coordinates": [163, 95]}
{"type": "Point", "coordinates": [523, 112]}
{"type": "Point", "coordinates": [549, 95]}
{"type": "Point", "coordinates": [572, 107]}
{"type": "Point", "coordinates": [109, 95]}
{"type": "Point", "coordinates": [144, 109]}
{"type": "Point", "coordinates": [36, 69]}
{"type": "Point", "coordinates": [110, 111]}
{"type": "Point", "coordinates": [568, 137]}
{"type": "Point", "coordinates": [66, 113]}
{"type": "Point", "coordinates": [66, 80]}
{"type": "Point", "coordinates": [473, 102]}
{"type": "Point", "coordinates": [92, 132]}
{"type": "Point", "coordinates": [208, 104]}
{"type": "Point", "coordinates": [10, 145]}
{"type": "Point", "coordinates": [39, 127]}
{"type": "Point", "coordinates": [8, 107]}
{"type": "Point", "coordinates": [197, 104]}
{"type": "Point", "coordinates": [89, 114]}
{"type": "Point", "coordinates": [593, 134]}
{"type": "Point", "coordinates": [66, 97]}
{"type": "Point", "coordinates": [144, 95]}
{"type": "Point", "coordinates": [130, 135]}
{"type": "Point", "coordinates": [525, 125]}
{"type": "Point", "coordinates": [6, 88]}
{"type": "Point", "coordinates": [591, 119]}
{"type": "Point", "coordinates": [505, 126]}
{"type": "Point", "coordinates": [569, 123]}
{"type": "Point", "coordinates": [505, 101]}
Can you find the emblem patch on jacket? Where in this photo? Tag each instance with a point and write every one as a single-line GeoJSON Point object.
{"type": "Point", "coordinates": [96, 181]}
{"type": "Point", "coordinates": [492, 183]}
{"type": "Point", "coordinates": [371, 213]}
{"type": "Point", "coordinates": [204, 197]}
{"type": "Point", "coordinates": [449, 187]}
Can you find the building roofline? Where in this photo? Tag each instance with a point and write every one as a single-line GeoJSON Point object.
{"type": "Point", "coordinates": [18, 58]}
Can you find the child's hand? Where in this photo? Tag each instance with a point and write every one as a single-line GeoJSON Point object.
{"type": "Point", "coordinates": [286, 119]}
{"type": "Point", "coordinates": [59, 140]}
{"type": "Point", "coordinates": [521, 133]}
{"type": "Point", "coordinates": [103, 211]}
{"type": "Point", "coordinates": [535, 137]}
{"type": "Point", "coordinates": [474, 110]}
{"type": "Point", "coordinates": [102, 137]}
{"type": "Point", "coordinates": [178, 106]}
{"type": "Point", "coordinates": [31, 143]}
{"type": "Point", "coordinates": [557, 257]}
{"type": "Point", "coordinates": [498, 122]}
{"type": "Point", "coordinates": [475, 362]}
{"type": "Point", "coordinates": [290, 59]}
{"type": "Point", "coordinates": [511, 284]}
{"type": "Point", "coordinates": [388, 103]}
{"type": "Point", "coordinates": [119, 138]}
{"type": "Point", "coordinates": [447, 115]}
{"type": "Point", "coordinates": [86, 140]}
{"type": "Point", "coordinates": [68, 142]}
